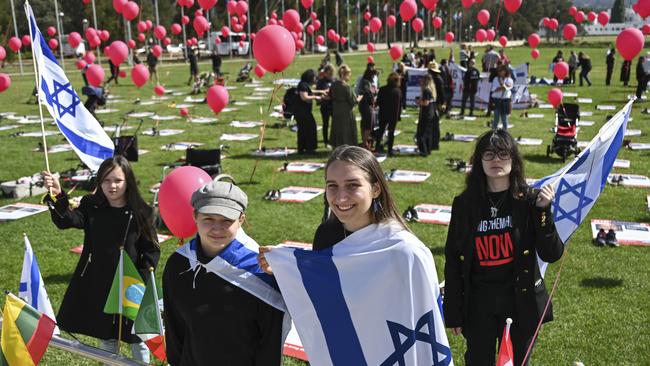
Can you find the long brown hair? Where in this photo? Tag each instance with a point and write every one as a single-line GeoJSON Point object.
{"type": "Point", "coordinates": [133, 198]}
{"type": "Point", "coordinates": [366, 161]}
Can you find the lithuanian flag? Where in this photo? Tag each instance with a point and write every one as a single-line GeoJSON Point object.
{"type": "Point", "coordinates": [25, 333]}
{"type": "Point", "coordinates": [126, 291]}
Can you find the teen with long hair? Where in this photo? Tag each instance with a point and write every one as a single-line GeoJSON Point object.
{"type": "Point", "coordinates": [115, 215]}
{"type": "Point", "coordinates": [428, 131]}
{"type": "Point", "coordinates": [499, 225]}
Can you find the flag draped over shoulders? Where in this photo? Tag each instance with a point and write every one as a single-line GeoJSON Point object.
{"type": "Point", "coordinates": [372, 299]}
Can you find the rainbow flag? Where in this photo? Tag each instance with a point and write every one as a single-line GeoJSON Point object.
{"type": "Point", "coordinates": [126, 291]}
{"type": "Point", "coordinates": [26, 333]}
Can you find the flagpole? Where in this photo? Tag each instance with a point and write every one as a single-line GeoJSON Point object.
{"type": "Point", "coordinates": [120, 300]}
{"type": "Point", "coordinates": [59, 30]}
{"type": "Point", "coordinates": [99, 56]}
{"type": "Point", "coordinates": [38, 85]}
{"type": "Point", "coordinates": [20, 58]}
{"type": "Point", "coordinates": [155, 296]}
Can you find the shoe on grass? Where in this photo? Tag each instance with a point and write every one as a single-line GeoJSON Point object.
{"type": "Point", "coordinates": [600, 238]}
{"type": "Point", "coordinates": [610, 238]}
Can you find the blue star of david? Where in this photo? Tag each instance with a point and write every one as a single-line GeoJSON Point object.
{"type": "Point", "coordinates": [412, 336]}
{"type": "Point", "coordinates": [62, 110]}
{"type": "Point", "coordinates": [574, 215]}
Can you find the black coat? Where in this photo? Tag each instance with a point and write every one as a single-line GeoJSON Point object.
{"type": "Point", "coordinates": [533, 231]}
{"type": "Point", "coordinates": [389, 100]}
{"type": "Point", "coordinates": [82, 308]}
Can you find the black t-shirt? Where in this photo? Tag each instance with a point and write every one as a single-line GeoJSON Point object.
{"type": "Point", "coordinates": [493, 262]}
{"type": "Point", "coordinates": [329, 233]}
{"type": "Point", "coordinates": [324, 83]}
{"type": "Point", "coordinates": [304, 106]}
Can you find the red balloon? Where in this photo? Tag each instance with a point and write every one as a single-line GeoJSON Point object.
{"type": "Point", "coordinates": [629, 43]}
{"type": "Point", "coordinates": [310, 29]}
{"type": "Point", "coordinates": [467, 3]}
{"type": "Point", "coordinates": [131, 44]}
{"type": "Point", "coordinates": [299, 44]}
{"type": "Point", "coordinates": [51, 31]}
{"type": "Point", "coordinates": [481, 35]}
{"type": "Point", "coordinates": [534, 54]}
{"type": "Point", "coordinates": [139, 75]}
{"type": "Point", "coordinates": [533, 40]}
{"type": "Point", "coordinates": [320, 40]}
{"type": "Point", "coordinates": [580, 17]}
{"type": "Point", "coordinates": [118, 5]}
{"type": "Point", "coordinates": [176, 29]}
{"type": "Point", "coordinates": [366, 29]}
{"type": "Point", "coordinates": [207, 4]}
{"type": "Point", "coordinates": [503, 41]}
{"type": "Point", "coordinates": [15, 44]}
{"type": "Point", "coordinates": [185, 20]}
{"type": "Point", "coordinates": [217, 40]}
{"type": "Point", "coordinates": [561, 70]}
{"type": "Point", "coordinates": [5, 82]}
{"type": "Point", "coordinates": [156, 51]}
{"type": "Point", "coordinates": [130, 11]}
{"type": "Point", "coordinates": [449, 37]}
{"type": "Point", "coordinates": [200, 25]}
{"type": "Point", "coordinates": [184, 112]}
{"type": "Point", "coordinates": [104, 35]}
{"type": "Point", "coordinates": [26, 40]}
{"type": "Point", "coordinates": [417, 24]}
{"type": "Point", "coordinates": [371, 60]}
{"type": "Point", "coordinates": [107, 50]}
{"type": "Point", "coordinates": [343, 40]}
{"type": "Point", "coordinates": [573, 11]}
{"type": "Point", "coordinates": [160, 32]}
{"type": "Point", "coordinates": [175, 196]}
{"type": "Point", "coordinates": [483, 17]}
{"type": "Point", "coordinates": [86, 2]}
{"type": "Point", "coordinates": [89, 57]}
{"type": "Point", "coordinates": [396, 52]}
{"type": "Point", "coordinates": [591, 16]}
{"type": "Point", "coordinates": [95, 75]}
{"type": "Point", "coordinates": [142, 37]}
{"type": "Point", "coordinates": [231, 7]}
{"type": "Point", "coordinates": [159, 90]}
{"type": "Point", "coordinates": [491, 34]}
{"type": "Point", "coordinates": [149, 24]}
{"type": "Point", "coordinates": [645, 29]}
{"type": "Point", "coordinates": [3, 53]}
{"type": "Point", "coordinates": [375, 25]}
{"type": "Point", "coordinates": [555, 97]}
{"type": "Point", "coordinates": [259, 71]}
{"type": "Point", "coordinates": [569, 31]}
{"type": "Point", "coordinates": [371, 47]}
{"type": "Point", "coordinates": [53, 43]}
{"type": "Point", "coordinates": [391, 21]}
{"type": "Point", "coordinates": [80, 64]}
{"type": "Point", "coordinates": [291, 19]}
{"type": "Point", "coordinates": [142, 26]}
{"type": "Point", "coordinates": [603, 18]}
{"type": "Point", "coordinates": [307, 3]}
{"type": "Point", "coordinates": [512, 5]}
{"type": "Point", "coordinates": [242, 7]}
{"type": "Point", "coordinates": [436, 22]}
{"type": "Point", "coordinates": [553, 24]}
{"type": "Point", "coordinates": [118, 52]}
{"type": "Point", "coordinates": [217, 97]}
{"type": "Point", "coordinates": [407, 10]}
{"type": "Point", "coordinates": [225, 31]}
{"type": "Point", "coordinates": [430, 4]}
{"type": "Point", "coordinates": [274, 48]}
{"type": "Point", "coordinates": [74, 39]}
{"type": "Point", "coordinates": [317, 24]}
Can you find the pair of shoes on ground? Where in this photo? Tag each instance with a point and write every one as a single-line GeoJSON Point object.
{"type": "Point", "coordinates": [272, 195]}
{"type": "Point", "coordinates": [608, 238]}
{"type": "Point", "coordinates": [411, 214]}
{"type": "Point", "coordinates": [448, 137]}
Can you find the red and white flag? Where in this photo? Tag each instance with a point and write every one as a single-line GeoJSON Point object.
{"type": "Point", "coordinates": [506, 357]}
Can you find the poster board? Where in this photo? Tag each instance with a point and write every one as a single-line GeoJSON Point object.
{"type": "Point", "coordinates": [407, 176]}
{"type": "Point", "coordinates": [299, 194]}
{"type": "Point", "coordinates": [627, 233]}
{"type": "Point", "coordinates": [304, 167]}
{"type": "Point", "coordinates": [433, 214]}
{"type": "Point", "coordinates": [20, 210]}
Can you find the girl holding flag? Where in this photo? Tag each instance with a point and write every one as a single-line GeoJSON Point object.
{"type": "Point", "coordinates": [498, 227]}
{"type": "Point", "coordinates": [114, 216]}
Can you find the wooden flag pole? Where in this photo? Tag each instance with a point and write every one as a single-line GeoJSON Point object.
{"type": "Point", "coordinates": [120, 300]}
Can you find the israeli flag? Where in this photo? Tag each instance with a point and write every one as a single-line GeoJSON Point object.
{"type": "Point", "coordinates": [32, 287]}
{"type": "Point", "coordinates": [372, 299]}
{"type": "Point", "coordinates": [579, 183]}
{"type": "Point", "coordinates": [75, 122]}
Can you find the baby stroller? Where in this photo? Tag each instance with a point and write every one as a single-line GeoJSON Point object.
{"type": "Point", "coordinates": [244, 73]}
{"type": "Point", "coordinates": [202, 83]}
{"type": "Point", "coordinates": [565, 141]}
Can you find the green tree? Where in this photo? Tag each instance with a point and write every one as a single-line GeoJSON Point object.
{"type": "Point", "coordinates": [618, 12]}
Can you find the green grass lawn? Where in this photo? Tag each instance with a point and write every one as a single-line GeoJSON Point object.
{"type": "Point", "coordinates": [602, 306]}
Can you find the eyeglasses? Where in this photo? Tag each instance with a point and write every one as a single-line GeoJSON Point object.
{"type": "Point", "coordinates": [489, 155]}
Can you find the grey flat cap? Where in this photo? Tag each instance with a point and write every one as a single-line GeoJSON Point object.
{"type": "Point", "coordinates": [220, 198]}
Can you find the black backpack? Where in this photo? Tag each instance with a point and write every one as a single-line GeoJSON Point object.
{"type": "Point", "coordinates": [290, 102]}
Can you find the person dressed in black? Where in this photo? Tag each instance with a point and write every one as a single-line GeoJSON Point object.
{"type": "Point", "coordinates": [499, 226]}
{"type": "Point", "coordinates": [209, 320]}
{"type": "Point", "coordinates": [438, 74]}
{"type": "Point", "coordinates": [216, 63]}
{"type": "Point", "coordinates": [584, 62]}
{"type": "Point", "coordinates": [152, 63]}
{"type": "Point", "coordinates": [641, 77]}
{"type": "Point", "coordinates": [403, 81]}
{"type": "Point", "coordinates": [307, 138]}
{"type": "Point", "coordinates": [426, 135]}
{"type": "Point", "coordinates": [389, 101]}
{"type": "Point", "coordinates": [626, 70]}
{"type": "Point", "coordinates": [367, 91]}
{"type": "Point", "coordinates": [114, 216]}
{"type": "Point", "coordinates": [115, 72]}
{"type": "Point", "coordinates": [448, 86]}
{"type": "Point", "coordinates": [609, 61]}
{"type": "Point", "coordinates": [192, 57]}
{"type": "Point", "coordinates": [470, 86]}
{"type": "Point", "coordinates": [324, 82]}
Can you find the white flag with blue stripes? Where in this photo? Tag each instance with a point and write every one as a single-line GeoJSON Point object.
{"type": "Point", "coordinates": [80, 128]}
{"type": "Point", "coordinates": [579, 183]}
{"type": "Point", "coordinates": [32, 287]}
{"type": "Point", "coordinates": [372, 299]}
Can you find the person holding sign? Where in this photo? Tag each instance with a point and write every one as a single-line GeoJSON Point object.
{"type": "Point", "coordinates": [499, 226]}
{"type": "Point", "coordinates": [112, 217]}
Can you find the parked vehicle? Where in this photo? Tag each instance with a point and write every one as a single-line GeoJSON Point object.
{"type": "Point", "coordinates": [232, 42]}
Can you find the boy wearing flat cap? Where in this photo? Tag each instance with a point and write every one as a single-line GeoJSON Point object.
{"type": "Point", "coordinates": [209, 320]}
